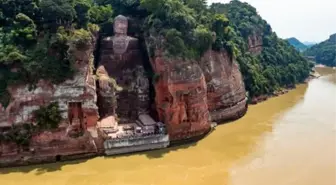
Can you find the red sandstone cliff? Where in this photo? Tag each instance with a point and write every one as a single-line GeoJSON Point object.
{"type": "Point", "coordinates": [76, 98]}
{"type": "Point", "coordinates": [191, 94]}
{"type": "Point", "coordinates": [181, 97]}
{"type": "Point", "coordinates": [226, 95]}
{"type": "Point", "coordinates": [255, 42]}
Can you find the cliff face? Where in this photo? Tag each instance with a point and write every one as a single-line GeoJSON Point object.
{"type": "Point", "coordinates": [80, 89]}
{"type": "Point", "coordinates": [181, 97]}
{"type": "Point", "coordinates": [255, 42]}
{"type": "Point", "coordinates": [226, 95]}
{"type": "Point", "coordinates": [191, 94]}
{"type": "Point", "coordinates": [76, 99]}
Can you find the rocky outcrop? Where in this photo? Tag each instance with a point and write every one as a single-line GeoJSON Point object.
{"type": "Point", "coordinates": [226, 95]}
{"type": "Point", "coordinates": [255, 43]}
{"type": "Point", "coordinates": [181, 98]}
{"type": "Point", "coordinates": [77, 101]}
{"type": "Point", "coordinates": [48, 146]}
{"type": "Point", "coordinates": [81, 90]}
{"type": "Point", "coordinates": [192, 94]}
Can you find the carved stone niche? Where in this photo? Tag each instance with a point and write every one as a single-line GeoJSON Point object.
{"type": "Point", "coordinates": [121, 69]}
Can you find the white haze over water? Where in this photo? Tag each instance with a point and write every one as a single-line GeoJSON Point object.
{"type": "Point", "coordinates": [307, 20]}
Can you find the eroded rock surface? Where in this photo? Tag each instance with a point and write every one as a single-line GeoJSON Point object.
{"type": "Point", "coordinates": [181, 98]}
{"type": "Point", "coordinates": [226, 95]}
{"type": "Point", "coordinates": [79, 90]}
{"type": "Point", "coordinates": [255, 43]}
{"type": "Point", "coordinates": [77, 102]}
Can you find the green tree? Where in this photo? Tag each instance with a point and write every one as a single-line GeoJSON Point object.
{"type": "Point", "coordinates": [82, 13]}
{"type": "Point", "coordinates": [48, 117]}
{"type": "Point", "coordinates": [100, 14]}
{"type": "Point", "coordinates": [57, 12]}
{"type": "Point", "coordinates": [24, 30]}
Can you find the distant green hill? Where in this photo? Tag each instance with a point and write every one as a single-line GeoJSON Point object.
{"type": "Point", "coordinates": [325, 52]}
{"type": "Point", "coordinates": [297, 44]}
{"type": "Point", "coordinates": [309, 44]}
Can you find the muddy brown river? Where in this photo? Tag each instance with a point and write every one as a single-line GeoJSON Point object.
{"type": "Point", "coordinates": [287, 140]}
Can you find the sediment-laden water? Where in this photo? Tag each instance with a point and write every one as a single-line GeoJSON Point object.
{"type": "Point", "coordinates": [287, 140]}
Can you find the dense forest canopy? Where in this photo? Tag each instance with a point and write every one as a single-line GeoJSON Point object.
{"type": "Point", "coordinates": [325, 52]}
{"type": "Point", "coordinates": [37, 37]}
{"type": "Point", "coordinates": [279, 64]}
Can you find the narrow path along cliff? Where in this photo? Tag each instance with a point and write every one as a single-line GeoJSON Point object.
{"type": "Point", "coordinates": [272, 144]}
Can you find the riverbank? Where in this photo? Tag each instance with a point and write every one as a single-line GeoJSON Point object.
{"type": "Point", "coordinates": [108, 147]}
{"type": "Point", "coordinates": [29, 158]}
{"type": "Point", "coordinates": [262, 98]}
{"type": "Point", "coordinates": [317, 72]}
{"type": "Point", "coordinates": [32, 157]}
{"type": "Point", "coordinates": [264, 147]}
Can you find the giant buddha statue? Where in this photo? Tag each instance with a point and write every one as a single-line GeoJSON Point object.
{"type": "Point", "coordinates": [123, 86]}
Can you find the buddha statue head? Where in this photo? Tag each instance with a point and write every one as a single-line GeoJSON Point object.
{"type": "Point", "coordinates": [120, 25]}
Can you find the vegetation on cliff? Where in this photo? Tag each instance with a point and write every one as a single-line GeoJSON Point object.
{"type": "Point", "coordinates": [19, 134]}
{"type": "Point", "coordinates": [37, 36]}
{"type": "Point", "coordinates": [325, 52]}
{"type": "Point", "coordinates": [278, 65]}
{"type": "Point", "coordinates": [47, 118]}
{"type": "Point", "coordinates": [184, 29]}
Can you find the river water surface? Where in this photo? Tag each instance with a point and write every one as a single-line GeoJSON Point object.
{"type": "Point", "coordinates": [287, 140]}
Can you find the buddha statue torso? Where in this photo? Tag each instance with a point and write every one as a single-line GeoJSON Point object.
{"type": "Point", "coordinates": [121, 74]}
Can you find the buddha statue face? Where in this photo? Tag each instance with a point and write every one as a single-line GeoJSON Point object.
{"type": "Point", "coordinates": [120, 25]}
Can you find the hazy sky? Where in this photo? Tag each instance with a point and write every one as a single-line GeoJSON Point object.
{"type": "Point", "coordinates": [307, 20]}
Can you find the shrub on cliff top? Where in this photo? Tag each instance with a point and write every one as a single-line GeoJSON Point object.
{"type": "Point", "coordinates": [174, 43]}
{"type": "Point", "coordinates": [81, 39]}
{"type": "Point", "coordinates": [203, 38]}
{"type": "Point", "coordinates": [100, 14]}
{"type": "Point", "coordinates": [174, 20]}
